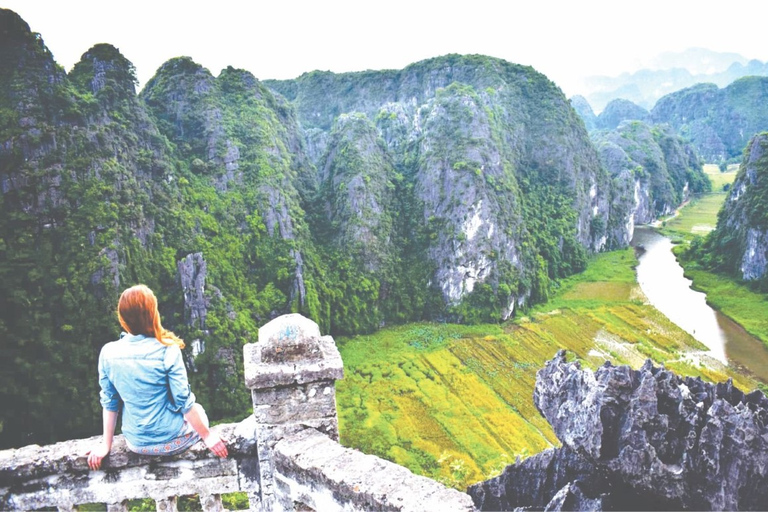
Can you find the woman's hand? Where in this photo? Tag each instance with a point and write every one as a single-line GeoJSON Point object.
{"type": "Point", "coordinates": [97, 454]}
{"type": "Point", "coordinates": [216, 444]}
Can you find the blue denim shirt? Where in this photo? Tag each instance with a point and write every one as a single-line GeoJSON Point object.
{"type": "Point", "coordinates": [150, 381]}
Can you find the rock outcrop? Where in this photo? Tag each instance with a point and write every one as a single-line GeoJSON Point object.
{"type": "Point", "coordinates": [639, 439]}
{"type": "Point", "coordinates": [739, 244]}
{"type": "Point", "coordinates": [234, 133]}
{"type": "Point", "coordinates": [483, 147]}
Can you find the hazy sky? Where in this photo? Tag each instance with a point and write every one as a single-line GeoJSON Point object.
{"type": "Point", "coordinates": [566, 40]}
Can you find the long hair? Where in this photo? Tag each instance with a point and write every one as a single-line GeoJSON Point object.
{"type": "Point", "coordinates": [138, 314]}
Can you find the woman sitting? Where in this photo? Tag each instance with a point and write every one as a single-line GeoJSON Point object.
{"type": "Point", "coordinates": [143, 372]}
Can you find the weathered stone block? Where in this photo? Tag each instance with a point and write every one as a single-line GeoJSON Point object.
{"type": "Point", "coordinates": [291, 351]}
{"type": "Point", "coordinates": [295, 403]}
{"type": "Point", "coordinates": [319, 473]}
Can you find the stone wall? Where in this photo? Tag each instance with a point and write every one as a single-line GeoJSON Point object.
{"type": "Point", "coordinates": [285, 456]}
{"type": "Point", "coordinates": [57, 475]}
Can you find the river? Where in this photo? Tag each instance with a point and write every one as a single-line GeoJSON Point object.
{"type": "Point", "coordinates": [661, 278]}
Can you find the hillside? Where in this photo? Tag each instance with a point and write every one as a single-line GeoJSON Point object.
{"type": "Point", "coordinates": [653, 171]}
{"type": "Point", "coordinates": [719, 122]}
{"type": "Point", "coordinates": [739, 244]}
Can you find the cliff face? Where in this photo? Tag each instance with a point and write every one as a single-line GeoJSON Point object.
{"type": "Point", "coordinates": [719, 122]}
{"type": "Point", "coordinates": [476, 140]}
{"type": "Point", "coordinates": [236, 137]}
{"type": "Point", "coordinates": [644, 439]}
{"type": "Point", "coordinates": [653, 172]}
{"type": "Point", "coordinates": [739, 244]}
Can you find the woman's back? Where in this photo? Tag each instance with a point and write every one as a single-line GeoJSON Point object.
{"type": "Point", "coordinates": [150, 380]}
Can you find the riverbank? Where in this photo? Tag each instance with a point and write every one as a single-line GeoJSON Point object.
{"type": "Point", "coordinates": [729, 296]}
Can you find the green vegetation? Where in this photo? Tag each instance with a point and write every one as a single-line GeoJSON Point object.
{"type": "Point", "coordinates": [699, 216]}
{"type": "Point", "coordinates": [455, 402]}
{"type": "Point", "coordinates": [719, 122]}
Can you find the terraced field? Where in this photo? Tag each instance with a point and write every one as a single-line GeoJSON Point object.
{"type": "Point", "coordinates": [455, 402]}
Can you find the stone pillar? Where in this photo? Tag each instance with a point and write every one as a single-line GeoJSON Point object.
{"type": "Point", "coordinates": [291, 373]}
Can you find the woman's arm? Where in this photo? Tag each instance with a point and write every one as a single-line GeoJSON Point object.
{"type": "Point", "coordinates": [211, 439]}
{"type": "Point", "coordinates": [98, 452]}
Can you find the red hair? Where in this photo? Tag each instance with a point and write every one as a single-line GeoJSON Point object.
{"type": "Point", "coordinates": [138, 314]}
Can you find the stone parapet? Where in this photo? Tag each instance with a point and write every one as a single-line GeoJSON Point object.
{"type": "Point", "coordinates": [286, 456]}
{"type": "Point", "coordinates": [315, 473]}
{"type": "Point", "coordinates": [57, 475]}
{"type": "Point", "coordinates": [291, 351]}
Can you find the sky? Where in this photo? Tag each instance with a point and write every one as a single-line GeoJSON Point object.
{"type": "Point", "coordinates": [565, 40]}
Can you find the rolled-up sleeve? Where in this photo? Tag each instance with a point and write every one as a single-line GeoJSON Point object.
{"type": "Point", "coordinates": [181, 397]}
{"type": "Point", "coordinates": [108, 395]}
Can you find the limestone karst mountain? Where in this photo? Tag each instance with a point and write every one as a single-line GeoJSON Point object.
{"type": "Point", "coordinates": [739, 244]}
{"type": "Point", "coordinates": [719, 122]}
{"type": "Point", "coordinates": [654, 170]}
{"type": "Point", "coordinates": [670, 72]}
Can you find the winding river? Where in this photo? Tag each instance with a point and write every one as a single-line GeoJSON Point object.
{"type": "Point", "coordinates": [661, 278]}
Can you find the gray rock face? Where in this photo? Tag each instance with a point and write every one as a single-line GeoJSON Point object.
{"type": "Point", "coordinates": [192, 273]}
{"type": "Point", "coordinates": [741, 236]}
{"type": "Point", "coordinates": [357, 185]}
{"type": "Point", "coordinates": [456, 187]}
{"type": "Point", "coordinates": [653, 440]}
{"type": "Point", "coordinates": [653, 172]}
{"type": "Point", "coordinates": [753, 263]}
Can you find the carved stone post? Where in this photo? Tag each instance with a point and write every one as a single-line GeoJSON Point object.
{"type": "Point", "coordinates": [291, 373]}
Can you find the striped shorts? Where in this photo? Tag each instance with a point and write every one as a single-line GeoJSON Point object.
{"type": "Point", "coordinates": [186, 438]}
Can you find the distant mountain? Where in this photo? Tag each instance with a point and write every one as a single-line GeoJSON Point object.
{"type": "Point", "coordinates": [671, 72]}
{"type": "Point", "coordinates": [620, 110]}
{"type": "Point", "coordinates": [612, 116]}
{"type": "Point", "coordinates": [698, 61]}
{"type": "Point", "coordinates": [719, 122]}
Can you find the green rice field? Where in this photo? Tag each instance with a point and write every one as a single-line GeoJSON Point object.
{"type": "Point", "coordinates": [455, 402]}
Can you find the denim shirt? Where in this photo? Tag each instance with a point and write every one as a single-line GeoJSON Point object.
{"type": "Point", "coordinates": [150, 381]}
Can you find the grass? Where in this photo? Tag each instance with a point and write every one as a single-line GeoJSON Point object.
{"type": "Point", "coordinates": [699, 216]}
{"type": "Point", "coordinates": [455, 402]}
{"type": "Point", "coordinates": [735, 300]}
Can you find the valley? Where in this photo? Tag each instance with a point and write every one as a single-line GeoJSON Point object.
{"type": "Point", "coordinates": [400, 381]}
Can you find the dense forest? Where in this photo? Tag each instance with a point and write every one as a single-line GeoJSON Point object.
{"type": "Point", "coordinates": [460, 188]}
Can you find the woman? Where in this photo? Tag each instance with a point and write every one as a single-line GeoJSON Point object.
{"type": "Point", "coordinates": [144, 373]}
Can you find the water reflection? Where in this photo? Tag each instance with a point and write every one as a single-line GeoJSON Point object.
{"type": "Point", "coordinates": [662, 281]}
